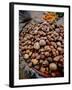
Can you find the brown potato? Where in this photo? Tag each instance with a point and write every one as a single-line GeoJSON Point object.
{"type": "Point", "coordinates": [42, 69]}
{"type": "Point", "coordinates": [36, 46]}
{"type": "Point", "coordinates": [42, 42]}
{"type": "Point", "coordinates": [53, 66]}
{"type": "Point", "coordinates": [34, 61]}
{"type": "Point", "coordinates": [26, 56]}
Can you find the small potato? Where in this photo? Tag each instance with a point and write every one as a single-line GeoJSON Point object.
{"type": "Point", "coordinates": [25, 39]}
{"type": "Point", "coordinates": [41, 50]}
{"type": "Point", "coordinates": [42, 56]}
{"type": "Point", "coordinates": [54, 44]}
{"type": "Point", "coordinates": [57, 58]}
{"type": "Point", "coordinates": [57, 52]}
{"type": "Point", "coordinates": [36, 46]}
{"type": "Point", "coordinates": [42, 69]}
{"type": "Point", "coordinates": [60, 38]}
{"type": "Point", "coordinates": [25, 47]}
{"type": "Point", "coordinates": [42, 33]}
{"type": "Point", "coordinates": [44, 38]}
{"type": "Point", "coordinates": [30, 47]}
{"type": "Point", "coordinates": [26, 56]}
{"type": "Point", "coordinates": [47, 69]}
{"type": "Point", "coordinates": [29, 42]}
{"type": "Point", "coordinates": [34, 61]}
{"type": "Point", "coordinates": [47, 48]}
{"type": "Point", "coordinates": [53, 74]}
{"type": "Point", "coordinates": [41, 61]}
{"type": "Point", "coordinates": [30, 36]}
{"type": "Point", "coordinates": [54, 53]}
{"type": "Point", "coordinates": [47, 54]}
{"type": "Point", "coordinates": [52, 47]}
{"type": "Point", "coordinates": [45, 63]}
{"type": "Point", "coordinates": [27, 51]}
{"type": "Point", "coordinates": [42, 42]}
{"type": "Point", "coordinates": [53, 66]}
{"type": "Point", "coordinates": [42, 53]}
{"type": "Point", "coordinates": [35, 32]}
{"type": "Point", "coordinates": [59, 49]}
{"type": "Point", "coordinates": [57, 30]}
{"type": "Point", "coordinates": [50, 59]}
{"type": "Point", "coordinates": [59, 43]}
{"type": "Point", "coordinates": [37, 39]}
{"type": "Point", "coordinates": [47, 41]}
{"type": "Point", "coordinates": [33, 55]}
{"type": "Point", "coordinates": [38, 57]}
{"type": "Point", "coordinates": [30, 53]}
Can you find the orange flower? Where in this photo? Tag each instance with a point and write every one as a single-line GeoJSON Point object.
{"type": "Point", "coordinates": [50, 16]}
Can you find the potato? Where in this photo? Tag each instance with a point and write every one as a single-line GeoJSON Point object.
{"type": "Point", "coordinates": [34, 61]}
{"type": "Point", "coordinates": [52, 66]}
{"type": "Point", "coordinates": [36, 46]}
{"type": "Point", "coordinates": [26, 56]}
{"type": "Point", "coordinates": [42, 69]}
{"type": "Point", "coordinates": [42, 42]}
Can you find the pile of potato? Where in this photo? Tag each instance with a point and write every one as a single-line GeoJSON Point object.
{"type": "Point", "coordinates": [42, 47]}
